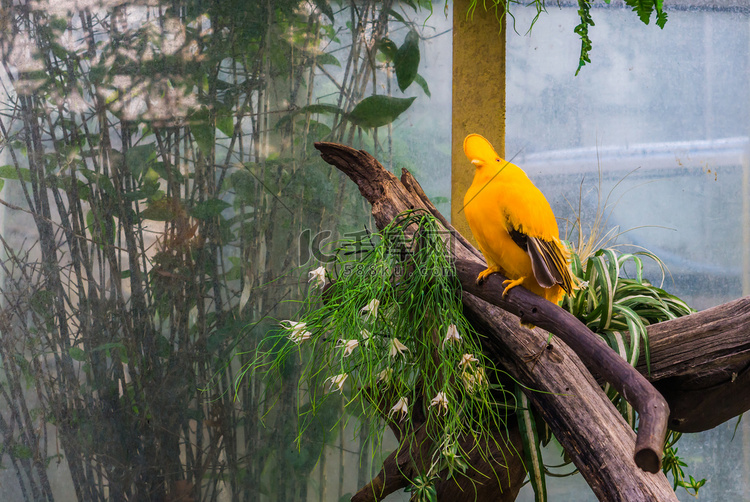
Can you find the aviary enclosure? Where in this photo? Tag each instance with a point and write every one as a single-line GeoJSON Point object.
{"type": "Point", "coordinates": [171, 173]}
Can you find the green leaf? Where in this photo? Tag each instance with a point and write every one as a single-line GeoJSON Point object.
{"type": "Point", "coordinates": [531, 450]}
{"type": "Point", "coordinates": [325, 8]}
{"type": "Point", "coordinates": [102, 228]}
{"type": "Point", "coordinates": [661, 20]}
{"type": "Point", "coordinates": [209, 209]}
{"type": "Point", "coordinates": [203, 133]}
{"type": "Point", "coordinates": [421, 82]}
{"type": "Point", "coordinates": [139, 157]}
{"type": "Point", "coordinates": [77, 354]}
{"type": "Point", "coordinates": [159, 170]}
{"type": "Point", "coordinates": [100, 180]}
{"type": "Point", "coordinates": [20, 451]}
{"type": "Point", "coordinates": [244, 185]}
{"type": "Point", "coordinates": [603, 283]}
{"type": "Point", "coordinates": [378, 110]}
{"type": "Point", "coordinates": [225, 122]}
{"type": "Point", "coordinates": [325, 58]}
{"type": "Point", "coordinates": [160, 210]}
{"type": "Point", "coordinates": [406, 61]}
{"type": "Point", "coordinates": [10, 173]}
{"type": "Point", "coordinates": [2, 183]}
{"type": "Point", "coordinates": [388, 47]}
{"type": "Point", "coordinates": [582, 30]}
{"type": "Point", "coordinates": [163, 347]}
{"type": "Point", "coordinates": [42, 302]}
{"type": "Point", "coordinates": [395, 15]}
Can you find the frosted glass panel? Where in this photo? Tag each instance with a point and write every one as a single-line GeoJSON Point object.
{"type": "Point", "coordinates": [660, 117]}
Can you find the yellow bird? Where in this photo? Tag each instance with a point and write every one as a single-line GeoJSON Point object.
{"type": "Point", "coordinates": [514, 225]}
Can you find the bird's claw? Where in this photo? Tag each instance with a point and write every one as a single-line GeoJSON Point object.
{"type": "Point", "coordinates": [510, 284]}
{"type": "Point", "coordinates": [483, 275]}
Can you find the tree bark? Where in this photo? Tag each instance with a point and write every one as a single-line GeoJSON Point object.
{"type": "Point", "coordinates": [565, 393]}
{"type": "Point", "coordinates": [700, 363]}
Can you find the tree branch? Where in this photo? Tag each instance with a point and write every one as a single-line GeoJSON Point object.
{"type": "Point", "coordinates": [599, 442]}
{"type": "Point", "coordinates": [595, 353]}
{"type": "Point", "coordinates": [700, 363]}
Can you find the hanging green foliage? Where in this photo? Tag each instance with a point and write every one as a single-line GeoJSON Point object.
{"type": "Point", "coordinates": [643, 8]}
{"type": "Point", "coordinates": [386, 333]}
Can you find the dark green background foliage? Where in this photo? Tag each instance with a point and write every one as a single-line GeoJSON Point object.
{"type": "Point", "coordinates": [160, 173]}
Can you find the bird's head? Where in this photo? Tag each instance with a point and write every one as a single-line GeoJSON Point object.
{"type": "Point", "coordinates": [480, 152]}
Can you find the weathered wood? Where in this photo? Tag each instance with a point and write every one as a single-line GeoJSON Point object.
{"type": "Point", "coordinates": [499, 481]}
{"type": "Point", "coordinates": [597, 355]}
{"type": "Point", "coordinates": [700, 363]}
{"type": "Point", "coordinates": [597, 440]}
{"type": "Point", "coordinates": [583, 420]}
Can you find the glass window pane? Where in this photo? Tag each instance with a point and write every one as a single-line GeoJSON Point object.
{"type": "Point", "coordinates": [656, 125]}
{"type": "Point", "coordinates": [164, 206]}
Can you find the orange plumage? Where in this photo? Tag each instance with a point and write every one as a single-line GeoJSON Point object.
{"type": "Point", "coordinates": [514, 225]}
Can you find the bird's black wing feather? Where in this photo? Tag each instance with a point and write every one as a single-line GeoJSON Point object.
{"type": "Point", "coordinates": [547, 261]}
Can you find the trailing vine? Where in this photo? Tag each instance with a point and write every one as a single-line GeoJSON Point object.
{"type": "Point", "coordinates": [643, 8]}
{"type": "Point", "coordinates": [384, 331]}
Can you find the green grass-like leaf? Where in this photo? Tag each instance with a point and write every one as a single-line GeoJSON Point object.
{"type": "Point", "coordinates": [388, 335]}
{"type": "Point", "coordinates": [531, 446]}
{"type": "Point", "coordinates": [609, 302]}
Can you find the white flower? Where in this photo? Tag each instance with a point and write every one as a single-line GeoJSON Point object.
{"type": "Point", "coordinates": [349, 346]}
{"type": "Point", "coordinates": [338, 381]}
{"type": "Point", "coordinates": [469, 381]}
{"type": "Point", "coordinates": [371, 309]}
{"type": "Point", "coordinates": [402, 406]}
{"type": "Point", "coordinates": [466, 360]}
{"type": "Point", "coordinates": [299, 331]}
{"type": "Point", "coordinates": [441, 401]}
{"type": "Point", "coordinates": [299, 336]}
{"type": "Point", "coordinates": [365, 335]}
{"type": "Point", "coordinates": [293, 325]}
{"type": "Point", "coordinates": [452, 335]}
{"type": "Point", "coordinates": [319, 276]}
{"type": "Point", "coordinates": [385, 375]}
{"type": "Point", "coordinates": [473, 379]}
{"type": "Point", "coordinates": [397, 347]}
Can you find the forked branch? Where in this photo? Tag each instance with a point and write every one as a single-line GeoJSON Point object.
{"type": "Point", "coordinates": [597, 439]}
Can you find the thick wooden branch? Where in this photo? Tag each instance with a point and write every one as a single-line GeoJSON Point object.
{"type": "Point", "coordinates": [595, 353]}
{"type": "Point", "coordinates": [598, 441]}
{"type": "Point", "coordinates": [413, 457]}
{"type": "Point", "coordinates": [571, 402]}
{"type": "Point", "coordinates": [701, 364]}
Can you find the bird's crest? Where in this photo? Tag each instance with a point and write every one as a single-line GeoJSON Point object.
{"type": "Point", "coordinates": [479, 150]}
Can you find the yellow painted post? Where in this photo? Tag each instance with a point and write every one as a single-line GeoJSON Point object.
{"type": "Point", "coordinates": [478, 93]}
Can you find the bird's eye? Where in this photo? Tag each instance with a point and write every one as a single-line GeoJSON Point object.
{"type": "Point", "coordinates": [497, 160]}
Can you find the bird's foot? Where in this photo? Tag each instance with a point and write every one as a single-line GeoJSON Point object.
{"type": "Point", "coordinates": [484, 274]}
{"type": "Point", "coordinates": [510, 284]}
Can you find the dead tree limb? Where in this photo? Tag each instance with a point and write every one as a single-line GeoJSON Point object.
{"type": "Point", "coordinates": [701, 364]}
{"type": "Point", "coordinates": [598, 440]}
{"type": "Point", "coordinates": [595, 353]}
